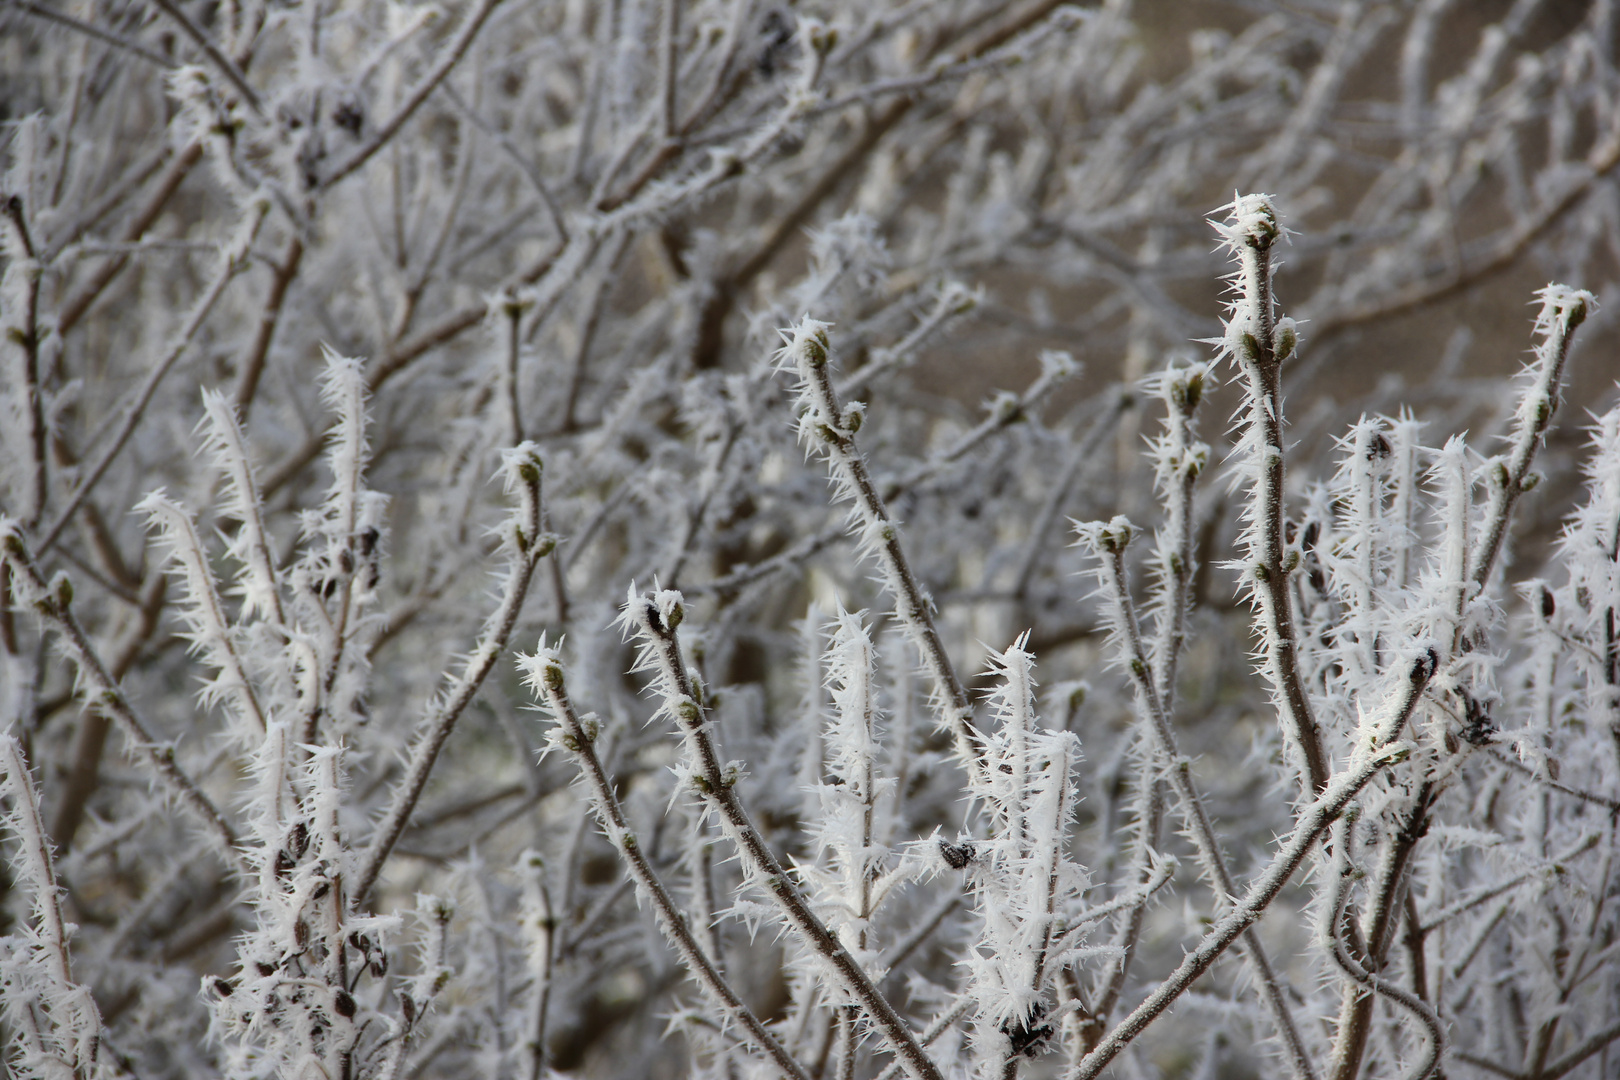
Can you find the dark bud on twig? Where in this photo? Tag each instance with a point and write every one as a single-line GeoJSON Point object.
{"type": "Point", "coordinates": [1030, 1037]}
{"type": "Point", "coordinates": [1478, 727]}
{"type": "Point", "coordinates": [777, 34]}
{"type": "Point", "coordinates": [956, 856]}
{"type": "Point", "coordinates": [350, 116]}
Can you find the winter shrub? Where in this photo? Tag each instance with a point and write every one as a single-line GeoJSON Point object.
{"type": "Point", "coordinates": [766, 717]}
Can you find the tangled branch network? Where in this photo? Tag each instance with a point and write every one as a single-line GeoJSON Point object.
{"type": "Point", "coordinates": [363, 362]}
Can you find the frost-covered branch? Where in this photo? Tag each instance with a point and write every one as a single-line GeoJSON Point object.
{"type": "Point", "coordinates": [53, 604]}
{"type": "Point", "coordinates": [829, 427]}
{"type": "Point", "coordinates": [526, 545]}
{"type": "Point", "coordinates": [1107, 543]}
{"type": "Point", "coordinates": [1259, 344]}
{"type": "Point", "coordinates": [577, 737]}
{"type": "Point", "coordinates": [654, 618]}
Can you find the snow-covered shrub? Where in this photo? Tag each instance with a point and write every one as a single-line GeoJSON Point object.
{"type": "Point", "coordinates": [325, 755]}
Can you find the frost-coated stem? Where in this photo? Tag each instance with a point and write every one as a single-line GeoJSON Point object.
{"type": "Point", "coordinates": [226, 66]}
{"type": "Point", "coordinates": [261, 590]}
{"type": "Point", "coordinates": [69, 1006]}
{"type": "Point", "coordinates": [25, 261]}
{"type": "Point", "coordinates": [527, 545]}
{"type": "Point", "coordinates": [1388, 886]}
{"type": "Point", "coordinates": [1332, 937]}
{"type": "Point", "coordinates": [53, 603]}
{"type": "Point", "coordinates": [542, 958]}
{"type": "Point", "coordinates": [1004, 412]}
{"type": "Point", "coordinates": [709, 485]}
{"type": "Point", "coordinates": [669, 29]}
{"type": "Point", "coordinates": [1109, 542]}
{"type": "Point", "coordinates": [1259, 344]}
{"type": "Point", "coordinates": [544, 673]}
{"type": "Point", "coordinates": [832, 428]}
{"type": "Point", "coordinates": [655, 618]}
{"type": "Point", "coordinates": [1315, 818]}
{"type": "Point", "coordinates": [954, 301]}
{"type": "Point", "coordinates": [1149, 823]}
{"type": "Point", "coordinates": [1562, 310]}
{"type": "Point", "coordinates": [513, 310]}
{"type": "Point", "coordinates": [1179, 459]}
{"type": "Point", "coordinates": [211, 631]}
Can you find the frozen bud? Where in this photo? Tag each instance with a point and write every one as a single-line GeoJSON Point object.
{"type": "Point", "coordinates": [1251, 348]}
{"type": "Point", "coordinates": [1059, 364]}
{"type": "Point", "coordinates": [1548, 607]}
{"type": "Point", "coordinates": [1004, 407]}
{"type": "Point", "coordinates": [957, 299]}
{"type": "Point", "coordinates": [821, 38]}
{"type": "Point", "coordinates": [956, 856]}
{"type": "Point", "coordinates": [854, 416]}
{"type": "Point", "coordinates": [1118, 533]}
{"type": "Point", "coordinates": [1108, 536]}
{"type": "Point", "coordinates": [1284, 339]}
{"type": "Point", "coordinates": [1562, 304]}
{"type": "Point", "coordinates": [513, 304]}
{"type": "Point", "coordinates": [1197, 458]}
{"type": "Point", "coordinates": [1187, 388]}
{"type": "Point", "coordinates": [523, 463]}
{"type": "Point", "coordinates": [1424, 666]}
{"type": "Point", "coordinates": [1251, 220]}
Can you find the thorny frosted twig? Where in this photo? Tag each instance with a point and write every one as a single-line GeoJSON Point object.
{"type": "Point", "coordinates": [654, 618]}
{"type": "Point", "coordinates": [1260, 344]}
{"type": "Point", "coordinates": [527, 545]}
{"type": "Point", "coordinates": [1341, 871]}
{"type": "Point", "coordinates": [544, 673]}
{"type": "Point", "coordinates": [1309, 826]}
{"type": "Point", "coordinates": [53, 603]}
{"type": "Point", "coordinates": [1108, 544]}
{"type": "Point", "coordinates": [830, 427]}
